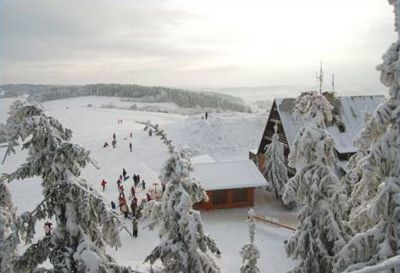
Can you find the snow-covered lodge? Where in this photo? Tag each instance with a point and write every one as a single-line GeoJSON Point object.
{"type": "Point", "coordinates": [229, 184]}
{"type": "Point", "coordinates": [348, 115]}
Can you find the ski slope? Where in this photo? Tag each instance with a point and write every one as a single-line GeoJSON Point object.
{"type": "Point", "coordinates": [225, 136]}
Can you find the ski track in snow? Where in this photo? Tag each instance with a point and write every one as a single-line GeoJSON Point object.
{"type": "Point", "coordinates": [225, 136]}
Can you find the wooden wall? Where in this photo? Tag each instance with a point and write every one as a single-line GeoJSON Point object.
{"type": "Point", "coordinates": [230, 200]}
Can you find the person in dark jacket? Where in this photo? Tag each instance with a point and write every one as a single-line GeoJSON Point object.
{"type": "Point", "coordinates": [148, 197]}
{"type": "Point", "coordinates": [134, 227]}
{"type": "Point", "coordinates": [143, 185]}
{"type": "Point", "coordinates": [113, 206]}
{"type": "Point", "coordinates": [130, 146]}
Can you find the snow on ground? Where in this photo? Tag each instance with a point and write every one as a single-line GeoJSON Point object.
{"type": "Point", "coordinates": [225, 136]}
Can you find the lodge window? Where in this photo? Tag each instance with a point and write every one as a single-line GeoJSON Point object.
{"type": "Point", "coordinates": [239, 195]}
{"type": "Point", "coordinates": [219, 197]}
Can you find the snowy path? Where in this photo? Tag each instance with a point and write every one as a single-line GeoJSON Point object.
{"type": "Point", "coordinates": [93, 126]}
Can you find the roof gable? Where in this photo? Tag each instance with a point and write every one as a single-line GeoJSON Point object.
{"type": "Point", "coordinates": [350, 110]}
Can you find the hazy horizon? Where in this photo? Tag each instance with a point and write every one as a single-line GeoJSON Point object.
{"type": "Point", "coordinates": [195, 44]}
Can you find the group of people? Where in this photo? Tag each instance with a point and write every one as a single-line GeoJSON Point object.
{"type": "Point", "coordinates": [114, 142]}
{"type": "Point", "coordinates": [205, 116]}
{"type": "Point", "coordinates": [133, 209]}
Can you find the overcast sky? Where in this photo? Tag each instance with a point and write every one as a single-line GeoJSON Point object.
{"type": "Point", "coordinates": [188, 43]}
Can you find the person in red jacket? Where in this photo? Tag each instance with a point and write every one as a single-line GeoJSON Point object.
{"type": "Point", "coordinates": [47, 228]}
{"type": "Point", "coordinates": [148, 197]}
{"type": "Point", "coordinates": [103, 184]}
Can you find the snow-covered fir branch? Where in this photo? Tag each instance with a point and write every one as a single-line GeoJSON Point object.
{"type": "Point", "coordinates": [8, 247]}
{"type": "Point", "coordinates": [378, 192]}
{"type": "Point", "coordinates": [312, 107]}
{"type": "Point", "coordinates": [184, 245]}
{"type": "Point", "coordinates": [84, 222]}
{"type": "Point", "coordinates": [250, 253]}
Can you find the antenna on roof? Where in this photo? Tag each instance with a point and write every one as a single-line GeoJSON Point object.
{"type": "Point", "coordinates": [333, 82]}
{"type": "Point", "coordinates": [320, 78]}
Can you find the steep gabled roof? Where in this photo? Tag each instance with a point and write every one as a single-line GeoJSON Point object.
{"type": "Point", "coordinates": [229, 175]}
{"type": "Point", "coordinates": [350, 110]}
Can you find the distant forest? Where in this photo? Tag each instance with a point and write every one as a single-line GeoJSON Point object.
{"type": "Point", "coordinates": [182, 98]}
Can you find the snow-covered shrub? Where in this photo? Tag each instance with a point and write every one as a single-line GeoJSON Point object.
{"type": "Point", "coordinates": [83, 222]}
{"type": "Point", "coordinates": [322, 232]}
{"type": "Point", "coordinates": [184, 245]}
{"type": "Point", "coordinates": [250, 253]}
{"type": "Point", "coordinates": [275, 169]}
{"type": "Point", "coordinates": [378, 192]}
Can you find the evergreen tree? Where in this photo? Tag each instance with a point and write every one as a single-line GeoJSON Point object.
{"type": "Point", "coordinates": [378, 246]}
{"type": "Point", "coordinates": [250, 252]}
{"type": "Point", "coordinates": [275, 169]}
{"type": "Point", "coordinates": [312, 108]}
{"type": "Point", "coordinates": [7, 221]}
{"type": "Point", "coordinates": [84, 223]}
{"type": "Point", "coordinates": [184, 245]}
{"type": "Point", "coordinates": [321, 232]}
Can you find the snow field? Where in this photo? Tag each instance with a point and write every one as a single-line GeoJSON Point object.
{"type": "Point", "coordinates": [225, 136]}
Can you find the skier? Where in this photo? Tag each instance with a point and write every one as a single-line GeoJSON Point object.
{"type": "Point", "coordinates": [143, 185]}
{"type": "Point", "coordinates": [206, 115]}
{"type": "Point", "coordinates": [114, 136]}
{"type": "Point", "coordinates": [114, 143]}
{"type": "Point", "coordinates": [123, 173]}
{"type": "Point", "coordinates": [134, 227]}
{"type": "Point", "coordinates": [113, 206]}
{"type": "Point", "coordinates": [148, 197]}
{"type": "Point", "coordinates": [47, 228]}
{"type": "Point", "coordinates": [105, 144]}
{"type": "Point", "coordinates": [150, 132]}
{"type": "Point", "coordinates": [103, 184]}
{"type": "Point", "coordinates": [130, 135]}
{"type": "Point", "coordinates": [130, 146]}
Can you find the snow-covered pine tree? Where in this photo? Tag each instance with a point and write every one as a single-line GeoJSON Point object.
{"type": "Point", "coordinates": [275, 169]}
{"type": "Point", "coordinates": [321, 232]}
{"type": "Point", "coordinates": [84, 222]}
{"type": "Point", "coordinates": [378, 246]}
{"type": "Point", "coordinates": [7, 221]}
{"type": "Point", "coordinates": [250, 252]}
{"type": "Point", "coordinates": [184, 245]}
{"type": "Point", "coordinates": [312, 108]}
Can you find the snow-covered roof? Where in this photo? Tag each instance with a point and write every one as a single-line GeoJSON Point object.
{"type": "Point", "coordinates": [350, 109]}
{"type": "Point", "coordinates": [202, 159]}
{"type": "Point", "coordinates": [229, 175]}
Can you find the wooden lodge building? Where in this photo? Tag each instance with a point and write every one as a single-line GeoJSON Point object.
{"type": "Point", "coordinates": [348, 116]}
{"type": "Point", "coordinates": [228, 184]}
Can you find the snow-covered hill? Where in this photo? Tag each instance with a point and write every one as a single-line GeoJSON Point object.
{"type": "Point", "coordinates": [224, 136]}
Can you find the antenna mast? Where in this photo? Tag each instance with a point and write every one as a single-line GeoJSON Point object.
{"type": "Point", "coordinates": [320, 78]}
